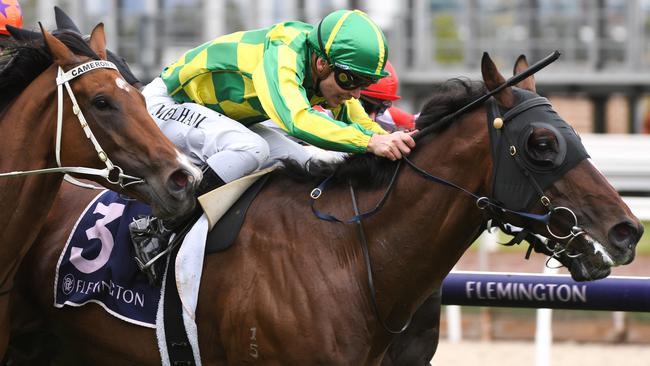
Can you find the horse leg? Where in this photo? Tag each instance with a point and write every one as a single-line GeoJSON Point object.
{"type": "Point", "coordinates": [417, 345]}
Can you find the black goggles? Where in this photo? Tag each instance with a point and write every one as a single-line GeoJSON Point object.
{"type": "Point", "coordinates": [345, 79]}
{"type": "Point", "coordinates": [377, 106]}
{"type": "Point", "coordinates": [349, 81]}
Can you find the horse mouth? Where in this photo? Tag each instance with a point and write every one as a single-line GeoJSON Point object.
{"type": "Point", "coordinates": [165, 205]}
{"type": "Point", "coordinates": [588, 259]}
{"type": "Point", "coordinates": [167, 209]}
{"type": "Point", "coordinates": [583, 271]}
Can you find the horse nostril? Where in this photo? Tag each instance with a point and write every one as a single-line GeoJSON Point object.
{"type": "Point", "coordinates": [624, 234]}
{"type": "Point", "coordinates": [179, 180]}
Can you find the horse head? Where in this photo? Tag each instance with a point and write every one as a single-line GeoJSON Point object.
{"type": "Point", "coordinates": [541, 166]}
{"type": "Point", "coordinates": [124, 133]}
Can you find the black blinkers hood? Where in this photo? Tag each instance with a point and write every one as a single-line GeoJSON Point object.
{"type": "Point", "coordinates": [517, 180]}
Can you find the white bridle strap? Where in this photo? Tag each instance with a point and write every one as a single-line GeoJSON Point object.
{"type": "Point", "coordinates": [63, 79]}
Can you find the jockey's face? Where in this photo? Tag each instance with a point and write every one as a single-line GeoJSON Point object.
{"type": "Point", "coordinates": [331, 91]}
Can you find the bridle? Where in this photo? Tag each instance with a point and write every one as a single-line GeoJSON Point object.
{"type": "Point", "coordinates": [114, 174]}
{"type": "Point", "coordinates": [494, 209]}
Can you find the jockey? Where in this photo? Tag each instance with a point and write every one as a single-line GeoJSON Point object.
{"type": "Point", "coordinates": [377, 99]}
{"type": "Point", "coordinates": [10, 14]}
{"type": "Point", "coordinates": [210, 102]}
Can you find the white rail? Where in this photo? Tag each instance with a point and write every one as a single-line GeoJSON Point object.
{"type": "Point", "coordinates": [623, 159]}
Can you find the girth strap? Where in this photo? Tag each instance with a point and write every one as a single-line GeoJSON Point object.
{"type": "Point", "coordinates": [371, 282]}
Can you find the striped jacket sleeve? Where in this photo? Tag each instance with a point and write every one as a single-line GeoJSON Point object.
{"type": "Point", "coordinates": [278, 83]}
{"type": "Point", "coordinates": [354, 112]}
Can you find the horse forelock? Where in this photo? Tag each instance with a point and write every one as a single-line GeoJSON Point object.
{"type": "Point", "coordinates": [27, 60]}
{"type": "Point", "coordinates": [371, 171]}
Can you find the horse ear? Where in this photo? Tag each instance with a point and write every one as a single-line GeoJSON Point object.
{"type": "Point", "coordinates": [520, 65]}
{"type": "Point", "coordinates": [23, 35]}
{"type": "Point", "coordinates": [98, 41]}
{"type": "Point", "coordinates": [61, 54]}
{"type": "Point", "coordinates": [493, 79]}
{"type": "Point", "coordinates": [63, 21]}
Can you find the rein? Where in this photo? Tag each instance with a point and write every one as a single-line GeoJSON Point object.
{"type": "Point", "coordinates": [482, 202]}
{"type": "Point", "coordinates": [510, 82]}
{"type": "Point", "coordinates": [112, 173]}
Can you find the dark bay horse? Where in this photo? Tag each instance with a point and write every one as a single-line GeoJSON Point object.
{"type": "Point", "coordinates": [106, 125]}
{"type": "Point", "coordinates": [293, 290]}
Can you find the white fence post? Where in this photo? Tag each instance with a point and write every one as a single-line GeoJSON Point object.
{"type": "Point", "coordinates": [454, 323]}
{"type": "Point", "coordinates": [543, 328]}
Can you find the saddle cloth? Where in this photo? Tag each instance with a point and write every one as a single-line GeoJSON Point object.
{"type": "Point", "coordinates": [96, 264]}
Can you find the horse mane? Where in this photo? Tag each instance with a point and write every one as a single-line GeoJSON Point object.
{"type": "Point", "coordinates": [446, 99]}
{"type": "Point", "coordinates": [370, 171]}
{"type": "Point", "coordinates": [29, 59]}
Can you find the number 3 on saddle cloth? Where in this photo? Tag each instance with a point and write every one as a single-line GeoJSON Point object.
{"type": "Point", "coordinates": [97, 264]}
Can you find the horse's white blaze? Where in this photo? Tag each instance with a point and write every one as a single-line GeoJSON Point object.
{"type": "Point", "coordinates": [600, 249]}
{"type": "Point", "coordinates": [122, 84]}
{"type": "Point", "coordinates": [184, 161]}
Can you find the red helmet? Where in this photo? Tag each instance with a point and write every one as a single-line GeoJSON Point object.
{"type": "Point", "coordinates": [385, 88]}
{"type": "Point", "coordinates": [10, 14]}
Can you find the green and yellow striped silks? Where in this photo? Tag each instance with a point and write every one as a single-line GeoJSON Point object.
{"type": "Point", "coordinates": [256, 75]}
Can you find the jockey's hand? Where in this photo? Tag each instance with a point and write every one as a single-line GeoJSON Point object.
{"type": "Point", "coordinates": [393, 146]}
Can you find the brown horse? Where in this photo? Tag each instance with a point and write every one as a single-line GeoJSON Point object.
{"type": "Point", "coordinates": [293, 290]}
{"type": "Point", "coordinates": [108, 127]}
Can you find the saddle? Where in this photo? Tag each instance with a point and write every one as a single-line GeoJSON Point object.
{"type": "Point", "coordinates": [226, 209]}
{"type": "Point", "coordinates": [225, 229]}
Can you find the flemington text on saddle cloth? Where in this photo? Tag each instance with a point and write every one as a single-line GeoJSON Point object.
{"type": "Point", "coordinates": [97, 263]}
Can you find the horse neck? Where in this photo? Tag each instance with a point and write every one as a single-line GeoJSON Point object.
{"type": "Point", "coordinates": [27, 142]}
{"type": "Point", "coordinates": [431, 225]}
{"type": "Point", "coordinates": [28, 126]}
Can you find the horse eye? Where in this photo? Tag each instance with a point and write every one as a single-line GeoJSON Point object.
{"type": "Point", "coordinates": [544, 145]}
{"type": "Point", "coordinates": [542, 148]}
{"type": "Point", "coordinates": [101, 103]}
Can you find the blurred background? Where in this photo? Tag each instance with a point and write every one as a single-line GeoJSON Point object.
{"type": "Point", "coordinates": [603, 71]}
{"type": "Point", "coordinates": [601, 85]}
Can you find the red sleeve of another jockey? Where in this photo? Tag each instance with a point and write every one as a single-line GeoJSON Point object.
{"type": "Point", "coordinates": [403, 120]}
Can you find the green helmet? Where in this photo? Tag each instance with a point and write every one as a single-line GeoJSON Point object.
{"type": "Point", "coordinates": [350, 40]}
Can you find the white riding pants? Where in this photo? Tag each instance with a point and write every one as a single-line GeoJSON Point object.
{"type": "Point", "coordinates": [231, 149]}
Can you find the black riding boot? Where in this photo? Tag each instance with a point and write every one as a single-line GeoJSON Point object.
{"type": "Point", "coordinates": [150, 235]}
{"type": "Point", "coordinates": [210, 181]}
